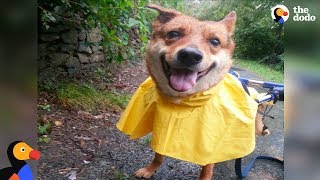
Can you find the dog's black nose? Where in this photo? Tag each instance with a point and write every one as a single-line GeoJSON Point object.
{"type": "Point", "coordinates": [190, 56]}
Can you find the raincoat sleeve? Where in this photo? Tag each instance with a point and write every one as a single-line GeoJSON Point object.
{"type": "Point", "coordinates": [137, 119]}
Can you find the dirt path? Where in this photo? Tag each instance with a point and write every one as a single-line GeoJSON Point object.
{"type": "Point", "coordinates": [92, 148]}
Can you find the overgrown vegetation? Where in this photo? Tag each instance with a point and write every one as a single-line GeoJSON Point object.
{"type": "Point", "coordinates": [121, 22]}
{"type": "Point", "coordinates": [88, 98]}
{"type": "Point", "coordinates": [264, 71]}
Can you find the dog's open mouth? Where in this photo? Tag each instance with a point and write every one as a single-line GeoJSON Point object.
{"type": "Point", "coordinates": [183, 79]}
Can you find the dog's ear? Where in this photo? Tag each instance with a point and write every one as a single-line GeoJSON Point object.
{"type": "Point", "coordinates": [165, 15]}
{"type": "Point", "coordinates": [230, 21]}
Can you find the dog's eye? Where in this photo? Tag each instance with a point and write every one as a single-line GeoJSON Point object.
{"type": "Point", "coordinates": [215, 42]}
{"type": "Point", "coordinates": [173, 34]}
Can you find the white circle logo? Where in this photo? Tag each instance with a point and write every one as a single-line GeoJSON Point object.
{"type": "Point", "coordinates": [280, 14]}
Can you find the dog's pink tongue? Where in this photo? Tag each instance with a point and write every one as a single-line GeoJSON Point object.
{"type": "Point", "coordinates": [183, 80]}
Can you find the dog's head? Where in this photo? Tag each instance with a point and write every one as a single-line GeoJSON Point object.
{"type": "Point", "coordinates": [186, 56]}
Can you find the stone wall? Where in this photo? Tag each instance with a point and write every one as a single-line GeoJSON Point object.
{"type": "Point", "coordinates": [69, 49]}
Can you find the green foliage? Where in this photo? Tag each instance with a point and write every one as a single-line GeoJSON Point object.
{"type": "Point", "coordinates": [146, 140]}
{"type": "Point", "coordinates": [265, 71]}
{"type": "Point", "coordinates": [118, 99]}
{"type": "Point", "coordinates": [121, 22]}
{"type": "Point", "coordinates": [46, 107]}
{"type": "Point", "coordinates": [44, 139]}
{"type": "Point", "coordinates": [100, 72]}
{"type": "Point", "coordinates": [43, 131]}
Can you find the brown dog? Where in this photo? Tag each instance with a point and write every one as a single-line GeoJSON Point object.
{"type": "Point", "coordinates": [185, 57]}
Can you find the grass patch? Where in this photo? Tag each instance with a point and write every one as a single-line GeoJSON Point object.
{"type": "Point", "coordinates": [120, 176]}
{"type": "Point", "coordinates": [265, 71]}
{"type": "Point", "coordinates": [118, 99]}
{"type": "Point", "coordinates": [146, 140]}
{"type": "Point", "coordinates": [88, 98]}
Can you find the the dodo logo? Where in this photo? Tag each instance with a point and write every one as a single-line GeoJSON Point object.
{"type": "Point", "coordinates": [280, 14]}
{"type": "Point", "coordinates": [18, 152]}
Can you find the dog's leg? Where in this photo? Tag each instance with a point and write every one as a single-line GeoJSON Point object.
{"type": "Point", "coordinates": [149, 170]}
{"type": "Point", "coordinates": [261, 128]}
{"type": "Point", "coordinates": [206, 172]}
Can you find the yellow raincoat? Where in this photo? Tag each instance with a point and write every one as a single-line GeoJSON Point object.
{"type": "Point", "coordinates": [213, 126]}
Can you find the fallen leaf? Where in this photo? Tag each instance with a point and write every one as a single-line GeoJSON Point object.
{"type": "Point", "coordinates": [58, 123]}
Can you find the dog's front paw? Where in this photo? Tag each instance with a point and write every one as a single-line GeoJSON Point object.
{"type": "Point", "coordinates": [144, 173]}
